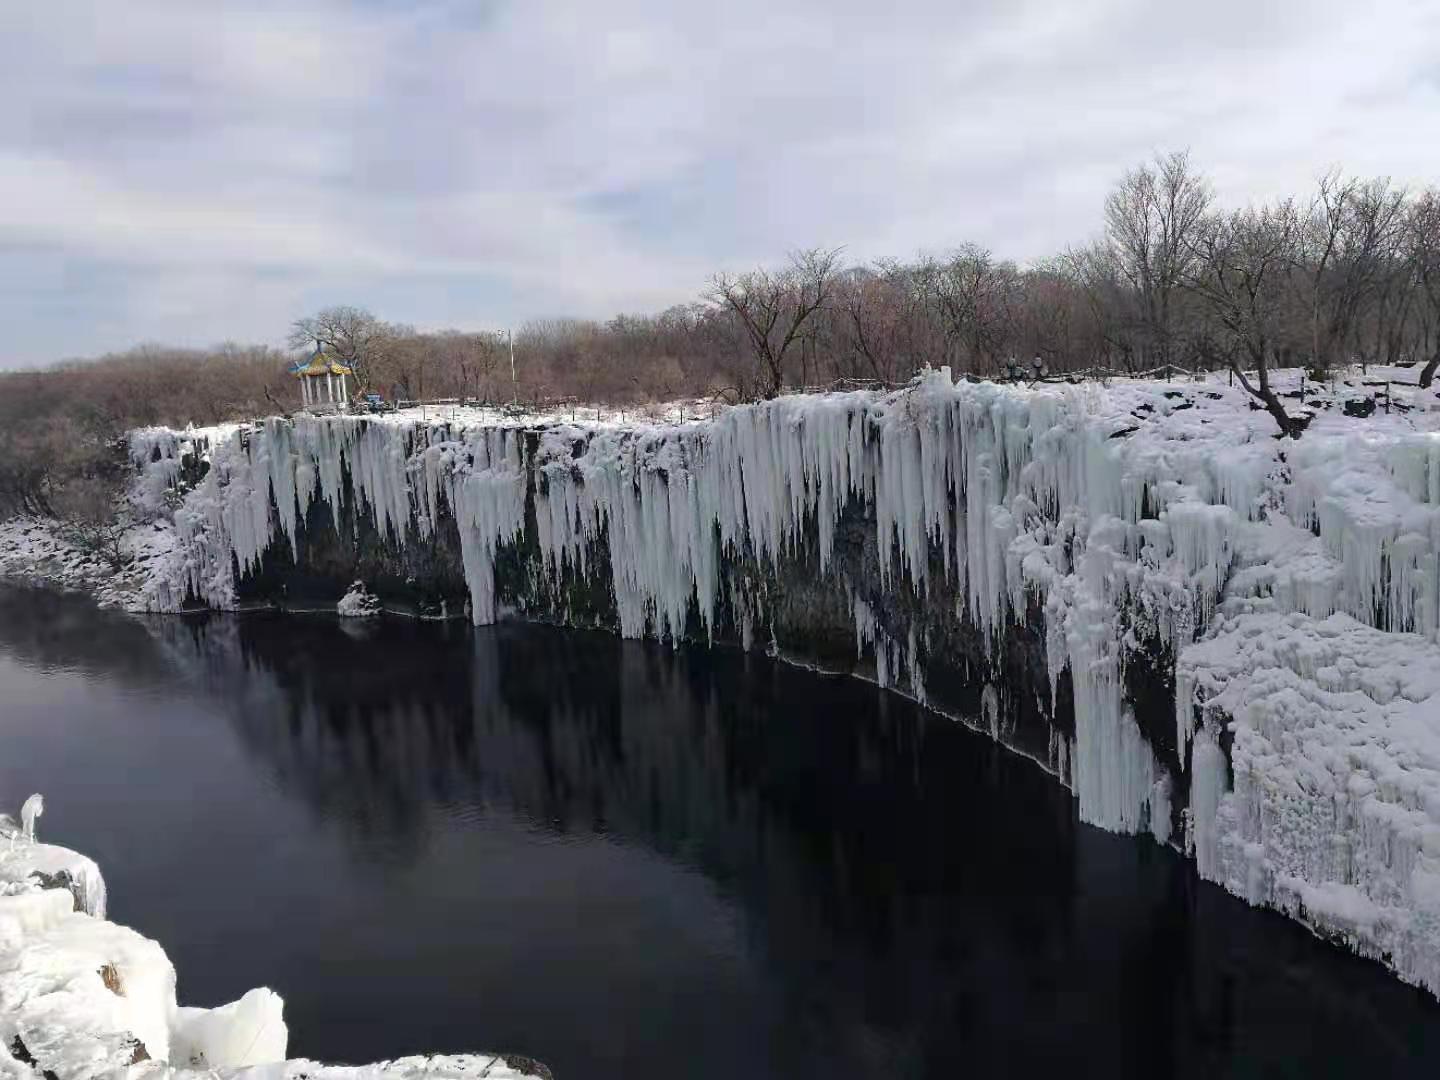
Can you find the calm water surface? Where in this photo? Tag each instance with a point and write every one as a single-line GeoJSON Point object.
{"type": "Point", "coordinates": [631, 862]}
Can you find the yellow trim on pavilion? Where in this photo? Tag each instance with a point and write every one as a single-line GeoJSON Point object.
{"type": "Point", "coordinates": [323, 365]}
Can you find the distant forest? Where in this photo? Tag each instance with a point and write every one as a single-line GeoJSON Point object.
{"type": "Point", "coordinates": [1348, 272]}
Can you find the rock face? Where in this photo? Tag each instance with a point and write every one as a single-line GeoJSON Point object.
{"type": "Point", "coordinates": [1046, 564]}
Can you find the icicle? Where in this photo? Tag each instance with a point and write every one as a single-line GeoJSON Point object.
{"type": "Point", "coordinates": [1207, 788]}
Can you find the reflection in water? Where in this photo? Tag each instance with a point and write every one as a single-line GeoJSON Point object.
{"type": "Point", "coordinates": [633, 862]}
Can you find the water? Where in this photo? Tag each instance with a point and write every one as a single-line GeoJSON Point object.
{"type": "Point", "coordinates": [630, 862]}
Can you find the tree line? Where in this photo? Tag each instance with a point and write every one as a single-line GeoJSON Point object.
{"type": "Point", "coordinates": [1347, 272]}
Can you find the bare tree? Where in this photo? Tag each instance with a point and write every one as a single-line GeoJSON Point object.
{"type": "Point", "coordinates": [353, 334]}
{"type": "Point", "coordinates": [773, 308]}
{"type": "Point", "coordinates": [972, 296]}
{"type": "Point", "coordinates": [1238, 271]}
{"type": "Point", "coordinates": [474, 360]}
{"type": "Point", "coordinates": [1052, 317]}
{"type": "Point", "coordinates": [88, 510]}
{"type": "Point", "coordinates": [1095, 270]}
{"type": "Point", "coordinates": [1151, 220]}
{"type": "Point", "coordinates": [1350, 235]}
{"type": "Point", "coordinates": [1424, 256]}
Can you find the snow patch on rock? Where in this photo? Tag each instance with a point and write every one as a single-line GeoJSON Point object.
{"type": "Point", "coordinates": [359, 603]}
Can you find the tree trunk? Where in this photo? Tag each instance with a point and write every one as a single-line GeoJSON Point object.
{"type": "Point", "coordinates": [1427, 373]}
{"type": "Point", "coordinates": [1289, 427]}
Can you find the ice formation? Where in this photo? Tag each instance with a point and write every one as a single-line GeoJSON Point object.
{"type": "Point", "coordinates": [250, 1031]}
{"type": "Point", "coordinates": [23, 859]}
{"type": "Point", "coordinates": [32, 808]}
{"type": "Point", "coordinates": [84, 999]}
{"type": "Point", "coordinates": [1136, 518]}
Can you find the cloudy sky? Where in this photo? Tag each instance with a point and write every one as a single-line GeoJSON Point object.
{"type": "Point", "coordinates": [192, 171]}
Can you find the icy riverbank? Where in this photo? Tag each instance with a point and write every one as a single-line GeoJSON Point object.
{"type": "Point", "coordinates": [82, 998]}
{"type": "Point", "coordinates": [1207, 633]}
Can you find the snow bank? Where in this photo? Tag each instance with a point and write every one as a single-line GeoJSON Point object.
{"type": "Point", "coordinates": [83, 998]}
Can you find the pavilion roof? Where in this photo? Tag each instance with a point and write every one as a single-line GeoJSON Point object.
{"type": "Point", "coordinates": [321, 363]}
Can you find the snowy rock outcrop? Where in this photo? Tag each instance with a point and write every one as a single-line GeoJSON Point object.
{"type": "Point", "coordinates": [24, 863]}
{"type": "Point", "coordinates": [83, 998]}
{"type": "Point", "coordinates": [1221, 636]}
{"type": "Point", "coordinates": [359, 603]}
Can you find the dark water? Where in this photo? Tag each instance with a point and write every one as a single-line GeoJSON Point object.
{"type": "Point", "coordinates": [635, 863]}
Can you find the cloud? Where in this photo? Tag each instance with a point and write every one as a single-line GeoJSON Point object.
{"type": "Point", "coordinates": [193, 171]}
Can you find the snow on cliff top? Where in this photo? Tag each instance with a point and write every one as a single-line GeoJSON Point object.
{"type": "Point", "coordinates": [1209, 410]}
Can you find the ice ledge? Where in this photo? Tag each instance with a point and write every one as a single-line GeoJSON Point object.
{"type": "Point", "coordinates": [84, 999]}
{"type": "Point", "coordinates": [1334, 813]}
{"type": "Point", "coordinates": [46, 866]}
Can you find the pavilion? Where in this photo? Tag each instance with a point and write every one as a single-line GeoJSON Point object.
{"type": "Point", "coordinates": [322, 380]}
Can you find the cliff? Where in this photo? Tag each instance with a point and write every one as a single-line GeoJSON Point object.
{"type": "Point", "coordinates": [1048, 564]}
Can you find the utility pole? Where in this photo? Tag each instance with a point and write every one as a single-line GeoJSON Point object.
{"type": "Point", "coordinates": [514, 382]}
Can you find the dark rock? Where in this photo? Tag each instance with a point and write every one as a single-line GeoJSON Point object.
{"type": "Point", "coordinates": [61, 879]}
{"type": "Point", "coordinates": [111, 978]}
{"type": "Point", "coordinates": [528, 1065]}
{"type": "Point", "coordinates": [21, 1053]}
{"type": "Point", "coordinates": [1360, 407]}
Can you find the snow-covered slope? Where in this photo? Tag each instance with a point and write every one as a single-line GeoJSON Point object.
{"type": "Point", "coordinates": [1291, 590]}
{"type": "Point", "coordinates": [83, 998]}
{"type": "Point", "coordinates": [36, 550]}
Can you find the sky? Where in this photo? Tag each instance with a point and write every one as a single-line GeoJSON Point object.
{"type": "Point", "coordinates": [192, 172]}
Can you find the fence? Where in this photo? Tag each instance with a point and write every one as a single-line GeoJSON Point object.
{"type": "Point", "coordinates": [699, 409]}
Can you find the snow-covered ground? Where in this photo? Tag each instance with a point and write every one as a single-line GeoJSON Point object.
{"type": "Point", "coordinates": [83, 998]}
{"type": "Point", "coordinates": [33, 549]}
{"type": "Point", "coordinates": [1297, 583]}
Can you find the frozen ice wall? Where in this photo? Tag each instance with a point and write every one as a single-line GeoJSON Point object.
{"type": "Point", "coordinates": [262, 479]}
{"type": "Point", "coordinates": [1136, 516]}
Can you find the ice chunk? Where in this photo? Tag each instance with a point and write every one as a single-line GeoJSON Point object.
{"type": "Point", "coordinates": [250, 1031]}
